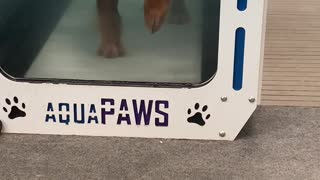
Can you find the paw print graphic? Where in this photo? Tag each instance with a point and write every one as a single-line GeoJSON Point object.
{"type": "Point", "coordinates": [14, 109]}
{"type": "Point", "coordinates": [199, 116]}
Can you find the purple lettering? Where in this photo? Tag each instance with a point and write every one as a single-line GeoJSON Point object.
{"type": "Point", "coordinates": [124, 118]}
{"type": "Point", "coordinates": [165, 122]}
{"type": "Point", "coordinates": [124, 105]}
{"type": "Point", "coordinates": [141, 112]}
{"type": "Point", "coordinates": [104, 112]}
{"type": "Point", "coordinates": [121, 117]}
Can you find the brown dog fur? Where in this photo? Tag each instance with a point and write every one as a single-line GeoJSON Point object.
{"type": "Point", "coordinates": [155, 12]}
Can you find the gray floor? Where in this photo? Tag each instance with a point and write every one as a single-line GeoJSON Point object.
{"type": "Point", "coordinates": [277, 143]}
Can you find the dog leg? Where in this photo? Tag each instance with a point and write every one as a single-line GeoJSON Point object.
{"type": "Point", "coordinates": [179, 13]}
{"type": "Point", "coordinates": [110, 29]}
{"type": "Point", "coordinates": [155, 12]}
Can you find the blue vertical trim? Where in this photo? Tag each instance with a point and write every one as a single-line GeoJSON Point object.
{"type": "Point", "coordinates": [242, 5]}
{"type": "Point", "coordinates": [239, 59]}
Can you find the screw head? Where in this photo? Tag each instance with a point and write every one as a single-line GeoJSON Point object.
{"type": "Point", "coordinates": [224, 98]}
{"type": "Point", "coordinates": [252, 99]}
{"type": "Point", "coordinates": [222, 134]}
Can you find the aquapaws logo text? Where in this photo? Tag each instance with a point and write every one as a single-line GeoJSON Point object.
{"type": "Point", "coordinates": [110, 111]}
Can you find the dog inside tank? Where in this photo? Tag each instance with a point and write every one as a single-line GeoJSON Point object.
{"type": "Point", "coordinates": [156, 12]}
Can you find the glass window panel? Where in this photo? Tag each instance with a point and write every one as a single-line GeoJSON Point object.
{"type": "Point", "coordinates": [59, 39]}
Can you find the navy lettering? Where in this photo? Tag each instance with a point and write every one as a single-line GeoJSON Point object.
{"type": "Point", "coordinates": [67, 109]}
{"type": "Point", "coordinates": [75, 111]}
{"type": "Point", "coordinates": [52, 117]}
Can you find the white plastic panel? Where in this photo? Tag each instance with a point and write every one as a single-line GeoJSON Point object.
{"type": "Point", "coordinates": [170, 107]}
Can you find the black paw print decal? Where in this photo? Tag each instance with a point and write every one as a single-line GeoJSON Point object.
{"type": "Point", "coordinates": [14, 110]}
{"type": "Point", "coordinates": [0, 126]}
{"type": "Point", "coordinates": [197, 117]}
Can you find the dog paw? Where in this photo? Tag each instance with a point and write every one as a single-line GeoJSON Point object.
{"type": "Point", "coordinates": [111, 50]}
{"type": "Point", "coordinates": [155, 12]}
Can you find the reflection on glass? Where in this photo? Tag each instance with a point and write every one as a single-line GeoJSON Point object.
{"type": "Point", "coordinates": [59, 39]}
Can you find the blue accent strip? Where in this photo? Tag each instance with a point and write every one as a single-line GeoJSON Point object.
{"type": "Point", "coordinates": [242, 5]}
{"type": "Point", "coordinates": [239, 59]}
